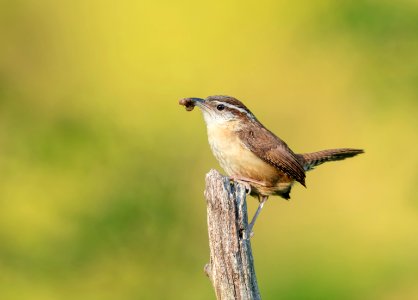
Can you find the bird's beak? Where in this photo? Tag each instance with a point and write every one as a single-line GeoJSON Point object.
{"type": "Point", "coordinates": [190, 103]}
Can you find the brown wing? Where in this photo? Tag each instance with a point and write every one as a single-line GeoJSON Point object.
{"type": "Point", "coordinates": [272, 150]}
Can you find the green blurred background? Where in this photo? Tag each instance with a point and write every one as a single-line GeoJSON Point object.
{"type": "Point", "coordinates": [102, 172]}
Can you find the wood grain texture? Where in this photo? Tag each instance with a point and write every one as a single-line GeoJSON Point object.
{"type": "Point", "coordinates": [231, 267]}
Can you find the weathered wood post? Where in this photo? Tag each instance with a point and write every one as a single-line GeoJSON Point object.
{"type": "Point", "coordinates": [231, 266]}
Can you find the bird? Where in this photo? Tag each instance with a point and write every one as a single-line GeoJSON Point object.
{"type": "Point", "coordinates": [251, 154]}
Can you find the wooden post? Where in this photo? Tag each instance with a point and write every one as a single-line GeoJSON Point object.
{"type": "Point", "coordinates": [231, 266]}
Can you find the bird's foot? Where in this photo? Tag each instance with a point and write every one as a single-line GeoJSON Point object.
{"type": "Point", "coordinates": [242, 181]}
{"type": "Point", "coordinates": [247, 187]}
{"type": "Point", "coordinates": [250, 233]}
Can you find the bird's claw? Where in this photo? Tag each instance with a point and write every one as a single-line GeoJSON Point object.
{"type": "Point", "coordinates": [251, 234]}
{"type": "Point", "coordinates": [245, 183]}
{"type": "Point", "coordinates": [247, 187]}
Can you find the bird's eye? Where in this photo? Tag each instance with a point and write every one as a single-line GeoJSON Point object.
{"type": "Point", "coordinates": [220, 107]}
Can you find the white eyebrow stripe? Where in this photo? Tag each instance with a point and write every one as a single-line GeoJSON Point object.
{"type": "Point", "coordinates": [237, 108]}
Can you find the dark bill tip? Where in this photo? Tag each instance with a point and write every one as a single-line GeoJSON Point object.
{"type": "Point", "coordinates": [190, 103]}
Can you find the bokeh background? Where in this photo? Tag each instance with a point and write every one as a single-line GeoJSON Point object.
{"type": "Point", "coordinates": [102, 173]}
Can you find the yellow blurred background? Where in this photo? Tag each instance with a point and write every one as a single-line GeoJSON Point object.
{"type": "Point", "coordinates": [102, 173]}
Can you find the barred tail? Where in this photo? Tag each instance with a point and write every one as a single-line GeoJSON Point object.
{"type": "Point", "coordinates": [311, 160]}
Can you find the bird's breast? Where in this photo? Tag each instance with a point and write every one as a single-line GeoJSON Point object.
{"type": "Point", "coordinates": [236, 159]}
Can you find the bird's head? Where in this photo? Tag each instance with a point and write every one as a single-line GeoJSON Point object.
{"type": "Point", "coordinates": [219, 110]}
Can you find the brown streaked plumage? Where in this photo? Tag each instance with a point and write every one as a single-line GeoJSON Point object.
{"type": "Point", "coordinates": [272, 150]}
{"type": "Point", "coordinates": [249, 152]}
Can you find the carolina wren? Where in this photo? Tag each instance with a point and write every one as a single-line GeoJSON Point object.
{"type": "Point", "coordinates": [250, 153]}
